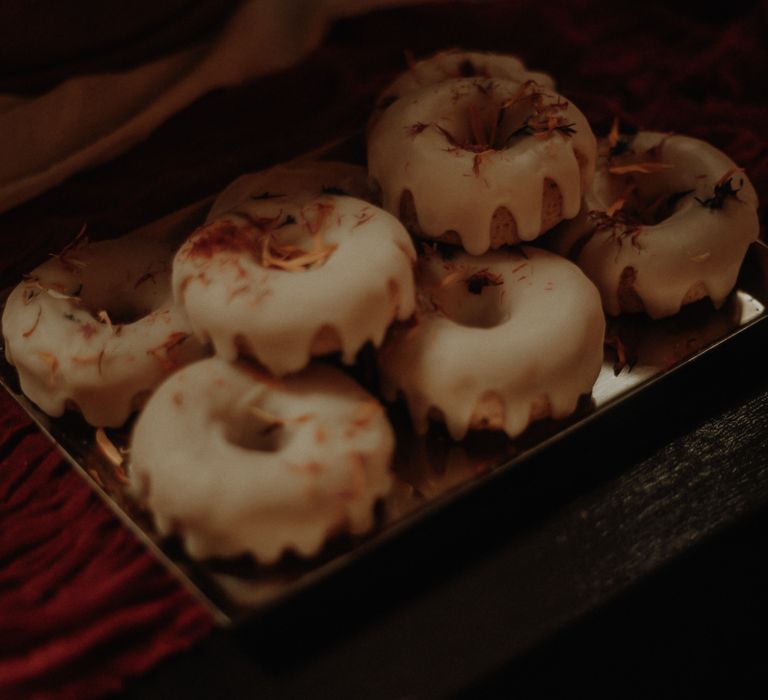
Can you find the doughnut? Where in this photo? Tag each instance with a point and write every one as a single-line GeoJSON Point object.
{"type": "Point", "coordinates": [667, 222]}
{"type": "Point", "coordinates": [95, 328]}
{"type": "Point", "coordinates": [482, 162]}
{"type": "Point", "coordinates": [303, 174]}
{"type": "Point", "coordinates": [457, 63]}
{"type": "Point", "coordinates": [235, 461]}
{"type": "Point", "coordinates": [284, 278]}
{"type": "Point", "coordinates": [498, 341]}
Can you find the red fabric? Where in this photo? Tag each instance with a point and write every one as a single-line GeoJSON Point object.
{"type": "Point", "coordinates": [82, 605]}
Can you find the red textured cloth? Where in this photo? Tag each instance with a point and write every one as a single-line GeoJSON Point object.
{"type": "Point", "coordinates": [82, 605]}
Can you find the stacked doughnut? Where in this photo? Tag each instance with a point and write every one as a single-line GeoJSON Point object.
{"type": "Point", "coordinates": [472, 150]}
{"type": "Point", "coordinates": [249, 443]}
{"type": "Point", "coordinates": [256, 450]}
{"type": "Point", "coordinates": [291, 264]}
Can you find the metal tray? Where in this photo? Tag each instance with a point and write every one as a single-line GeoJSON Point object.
{"type": "Point", "coordinates": [431, 471]}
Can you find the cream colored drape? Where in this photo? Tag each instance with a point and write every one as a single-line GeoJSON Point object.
{"type": "Point", "coordinates": [90, 119]}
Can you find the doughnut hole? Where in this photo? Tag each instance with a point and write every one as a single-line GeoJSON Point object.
{"type": "Point", "coordinates": [649, 198]}
{"type": "Point", "coordinates": [487, 121]}
{"type": "Point", "coordinates": [306, 226]}
{"type": "Point", "coordinates": [253, 428]}
{"type": "Point", "coordinates": [476, 300]}
{"type": "Point", "coordinates": [652, 207]}
{"type": "Point", "coordinates": [124, 301]}
{"type": "Point", "coordinates": [120, 309]}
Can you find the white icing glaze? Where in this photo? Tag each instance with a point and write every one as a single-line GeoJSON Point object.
{"type": "Point", "coordinates": [532, 336]}
{"type": "Point", "coordinates": [309, 175]}
{"type": "Point", "coordinates": [456, 189]}
{"type": "Point", "coordinates": [66, 352]}
{"type": "Point", "coordinates": [694, 251]}
{"type": "Point", "coordinates": [281, 316]}
{"type": "Point", "coordinates": [457, 63]}
{"type": "Point", "coordinates": [236, 461]}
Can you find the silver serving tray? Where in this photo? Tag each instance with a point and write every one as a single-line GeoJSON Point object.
{"type": "Point", "coordinates": [431, 471]}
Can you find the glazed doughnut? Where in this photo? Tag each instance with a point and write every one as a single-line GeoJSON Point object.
{"type": "Point", "coordinates": [667, 222]}
{"type": "Point", "coordinates": [95, 328]}
{"type": "Point", "coordinates": [236, 461]}
{"type": "Point", "coordinates": [482, 162]}
{"type": "Point", "coordinates": [301, 175]}
{"type": "Point", "coordinates": [285, 278]}
{"type": "Point", "coordinates": [457, 63]}
{"type": "Point", "coordinates": [498, 341]}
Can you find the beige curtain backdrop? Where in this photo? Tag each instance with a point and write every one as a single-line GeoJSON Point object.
{"type": "Point", "coordinates": [91, 119]}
